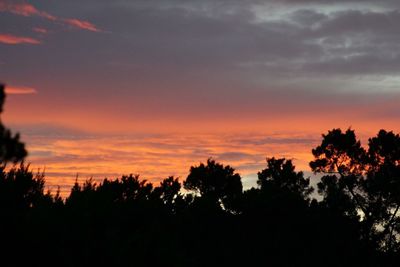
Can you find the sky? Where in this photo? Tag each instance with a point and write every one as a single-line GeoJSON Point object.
{"type": "Point", "coordinates": [101, 88]}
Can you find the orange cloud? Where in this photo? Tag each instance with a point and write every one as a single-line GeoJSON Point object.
{"type": "Point", "coordinates": [159, 156]}
{"type": "Point", "coordinates": [81, 24]}
{"type": "Point", "coordinates": [26, 10]}
{"type": "Point", "coordinates": [14, 40]}
{"type": "Point", "coordinates": [12, 90]}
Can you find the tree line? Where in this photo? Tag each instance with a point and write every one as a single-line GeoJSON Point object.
{"type": "Point", "coordinates": [130, 222]}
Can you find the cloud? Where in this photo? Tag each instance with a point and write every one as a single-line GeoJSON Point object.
{"type": "Point", "coordinates": [40, 30]}
{"type": "Point", "coordinates": [153, 156]}
{"type": "Point", "coordinates": [81, 24]}
{"type": "Point", "coordinates": [20, 90]}
{"type": "Point", "coordinates": [24, 9]}
{"type": "Point", "coordinates": [28, 10]}
{"type": "Point", "coordinates": [208, 66]}
{"type": "Point", "coordinates": [15, 40]}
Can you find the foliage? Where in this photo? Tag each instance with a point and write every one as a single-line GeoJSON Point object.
{"type": "Point", "coordinates": [362, 184]}
{"type": "Point", "coordinates": [216, 182]}
{"type": "Point", "coordinates": [280, 175]}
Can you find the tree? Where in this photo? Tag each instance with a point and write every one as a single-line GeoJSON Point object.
{"type": "Point", "coordinates": [383, 185]}
{"type": "Point", "coordinates": [126, 189]}
{"type": "Point", "coordinates": [11, 149]}
{"type": "Point", "coordinates": [20, 189]}
{"type": "Point", "coordinates": [216, 182]}
{"type": "Point", "coordinates": [280, 175]}
{"type": "Point", "coordinates": [364, 185]}
{"type": "Point", "coordinates": [342, 159]}
{"type": "Point", "coordinates": [169, 192]}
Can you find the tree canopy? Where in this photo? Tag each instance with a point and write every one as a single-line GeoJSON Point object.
{"type": "Point", "coordinates": [216, 182]}
{"type": "Point", "coordinates": [363, 183]}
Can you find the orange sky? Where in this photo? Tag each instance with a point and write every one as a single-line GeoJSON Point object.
{"type": "Point", "coordinates": [105, 88]}
{"type": "Point", "coordinates": [81, 145]}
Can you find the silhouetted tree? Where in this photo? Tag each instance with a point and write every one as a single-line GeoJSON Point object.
{"type": "Point", "coordinates": [341, 156]}
{"type": "Point", "coordinates": [20, 189]}
{"type": "Point", "coordinates": [216, 182]}
{"type": "Point", "coordinates": [11, 149]}
{"type": "Point", "coordinates": [362, 184]}
{"type": "Point", "coordinates": [280, 175]}
{"type": "Point", "coordinates": [169, 192]}
{"type": "Point", "coordinates": [383, 186]}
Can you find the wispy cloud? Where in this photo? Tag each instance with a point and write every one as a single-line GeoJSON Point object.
{"type": "Point", "coordinates": [40, 30]}
{"type": "Point", "coordinates": [15, 40]}
{"type": "Point", "coordinates": [81, 24]}
{"type": "Point", "coordinates": [100, 156]}
{"type": "Point", "coordinates": [24, 9]}
{"type": "Point", "coordinates": [20, 90]}
{"type": "Point", "coordinates": [28, 10]}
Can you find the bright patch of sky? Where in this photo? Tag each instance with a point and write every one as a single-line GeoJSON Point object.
{"type": "Point", "coordinates": [275, 11]}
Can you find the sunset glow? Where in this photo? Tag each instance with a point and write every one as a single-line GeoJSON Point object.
{"type": "Point", "coordinates": [104, 88]}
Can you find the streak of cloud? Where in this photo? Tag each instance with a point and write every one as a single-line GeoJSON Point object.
{"type": "Point", "coordinates": [40, 30]}
{"type": "Point", "coordinates": [10, 39]}
{"type": "Point", "coordinates": [24, 9]}
{"type": "Point", "coordinates": [28, 10]}
{"type": "Point", "coordinates": [101, 156]}
{"type": "Point", "coordinates": [81, 24]}
{"type": "Point", "coordinates": [20, 90]}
